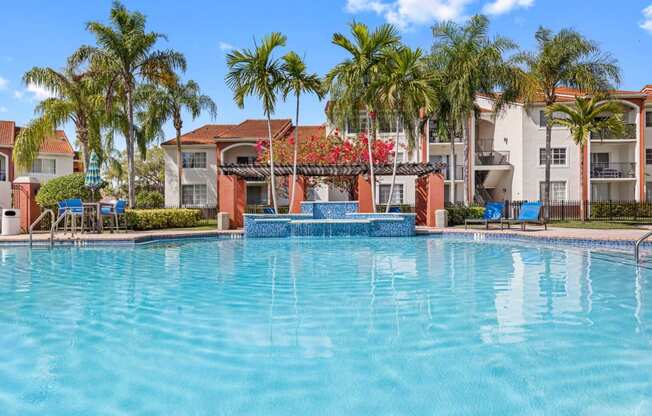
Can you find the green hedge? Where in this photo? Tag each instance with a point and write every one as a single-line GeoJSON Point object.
{"type": "Point", "coordinates": [149, 200]}
{"type": "Point", "coordinates": [612, 210]}
{"type": "Point", "coordinates": [157, 219]}
{"type": "Point", "coordinates": [63, 187]}
{"type": "Point", "coordinates": [457, 214]}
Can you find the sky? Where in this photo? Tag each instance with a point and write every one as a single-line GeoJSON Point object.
{"type": "Point", "coordinates": [45, 33]}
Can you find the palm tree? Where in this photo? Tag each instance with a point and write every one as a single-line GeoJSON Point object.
{"type": "Point", "coordinates": [563, 59]}
{"type": "Point", "coordinates": [588, 115]}
{"type": "Point", "coordinates": [75, 99]}
{"type": "Point", "coordinates": [168, 101]}
{"type": "Point", "coordinates": [125, 56]}
{"type": "Point", "coordinates": [297, 81]}
{"type": "Point", "coordinates": [257, 72]}
{"type": "Point", "coordinates": [404, 88]}
{"type": "Point", "coordinates": [349, 81]}
{"type": "Point", "coordinates": [470, 62]}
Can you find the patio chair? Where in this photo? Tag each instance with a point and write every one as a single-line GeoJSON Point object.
{"type": "Point", "coordinates": [530, 214]}
{"type": "Point", "coordinates": [75, 208]}
{"type": "Point", "coordinates": [493, 213]}
{"type": "Point", "coordinates": [115, 211]}
{"type": "Point", "coordinates": [269, 210]}
{"type": "Point", "coordinates": [394, 210]}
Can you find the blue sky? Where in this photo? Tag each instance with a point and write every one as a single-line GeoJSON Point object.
{"type": "Point", "coordinates": [44, 33]}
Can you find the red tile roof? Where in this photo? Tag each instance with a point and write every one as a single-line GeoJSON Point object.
{"type": "Point", "coordinates": [57, 144]}
{"type": "Point", "coordinates": [248, 129]}
{"type": "Point", "coordinates": [7, 131]}
{"type": "Point", "coordinates": [306, 131]}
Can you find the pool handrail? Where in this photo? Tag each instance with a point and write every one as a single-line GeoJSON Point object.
{"type": "Point", "coordinates": [40, 217]}
{"type": "Point", "coordinates": [637, 246]}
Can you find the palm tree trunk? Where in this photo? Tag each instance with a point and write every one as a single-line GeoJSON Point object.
{"type": "Point", "coordinates": [180, 167]}
{"type": "Point", "coordinates": [546, 186]}
{"type": "Point", "coordinates": [82, 137]}
{"type": "Point", "coordinates": [465, 168]}
{"type": "Point", "coordinates": [271, 163]}
{"type": "Point", "coordinates": [391, 187]}
{"type": "Point", "coordinates": [582, 180]}
{"type": "Point", "coordinates": [130, 150]}
{"type": "Point", "coordinates": [372, 178]}
{"type": "Point", "coordinates": [295, 156]}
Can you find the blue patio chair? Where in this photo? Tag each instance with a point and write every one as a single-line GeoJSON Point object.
{"type": "Point", "coordinates": [75, 208]}
{"type": "Point", "coordinates": [115, 211]}
{"type": "Point", "coordinates": [493, 213]}
{"type": "Point", "coordinates": [530, 213]}
{"type": "Point", "coordinates": [62, 209]}
{"type": "Point", "coordinates": [394, 210]}
{"type": "Point", "coordinates": [269, 210]}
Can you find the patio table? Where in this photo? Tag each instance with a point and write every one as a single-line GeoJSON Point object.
{"type": "Point", "coordinates": [97, 209]}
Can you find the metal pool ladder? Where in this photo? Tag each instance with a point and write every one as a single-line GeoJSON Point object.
{"type": "Point", "coordinates": [637, 246]}
{"type": "Point", "coordinates": [40, 217]}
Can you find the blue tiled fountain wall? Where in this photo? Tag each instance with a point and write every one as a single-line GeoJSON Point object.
{"type": "Point", "coordinates": [329, 219]}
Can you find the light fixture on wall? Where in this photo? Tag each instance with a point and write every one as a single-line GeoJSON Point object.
{"type": "Point", "coordinates": [506, 140]}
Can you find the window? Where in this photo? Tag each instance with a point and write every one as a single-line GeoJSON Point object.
{"type": "Point", "coordinates": [557, 190]}
{"type": "Point", "coordinates": [400, 156]}
{"type": "Point", "coordinates": [194, 160]}
{"type": "Point", "coordinates": [648, 119]}
{"type": "Point", "coordinates": [648, 156]}
{"type": "Point", "coordinates": [558, 156]}
{"type": "Point", "coordinates": [245, 160]}
{"type": "Point", "coordinates": [600, 191]}
{"type": "Point", "coordinates": [193, 194]}
{"type": "Point", "coordinates": [387, 124]}
{"type": "Point", "coordinates": [3, 168]}
{"type": "Point", "coordinates": [44, 166]}
{"type": "Point", "coordinates": [256, 194]}
{"type": "Point", "coordinates": [357, 124]}
{"type": "Point", "coordinates": [648, 191]}
{"type": "Point", "coordinates": [397, 195]}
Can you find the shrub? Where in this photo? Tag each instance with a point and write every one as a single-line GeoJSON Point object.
{"type": "Point", "coordinates": [149, 200]}
{"type": "Point", "coordinates": [63, 187]}
{"type": "Point", "coordinates": [620, 210]}
{"type": "Point", "coordinates": [157, 219]}
{"type": "Point", "coordinates": [458, 213]}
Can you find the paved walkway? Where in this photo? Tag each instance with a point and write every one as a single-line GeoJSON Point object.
{"type": "Point", "coordinates": [130, 236]}
{"type": "Point", "coordinates": [551, 233]}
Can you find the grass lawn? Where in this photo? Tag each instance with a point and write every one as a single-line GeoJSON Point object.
{"type": "Point", "coordinates": [596, 225]}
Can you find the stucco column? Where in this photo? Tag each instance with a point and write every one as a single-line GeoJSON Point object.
{"type": "Point", "coordinates": [232, 198]}
{"type": "Point", "coordinates": [641, 154]}
{"type": "Point", "coordinates": [365, 204]}
{"type": "Point", "coordinates": [24, 195]}
{"type": "Point", "coordinates": [300, 189]}
{"type": "Point", "coordinates": [429, 198]}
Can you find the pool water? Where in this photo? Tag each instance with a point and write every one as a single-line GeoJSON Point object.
{"type": "Point", "coordinates": [417, 326]}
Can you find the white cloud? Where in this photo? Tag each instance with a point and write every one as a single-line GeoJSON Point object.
{"type": "Point", "coordinates": [504, 6]}
{"type": "Point", "coordinates": [39, 93]}
{"type": "Point", "coordinates": [18, 94]}
{"type": "Point", "coordinates": [226, 46]}
{"type": "Point", "coordinates": [3, 83]}
{"type": "Point", "coordinates": [404, 13]}
{"type": "Point", "coordinates": [647, 19]}
{"type": "Point", "coordinates": [3, 109]}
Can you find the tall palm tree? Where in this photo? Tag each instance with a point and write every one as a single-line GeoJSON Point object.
{"type": "Point", "coordinates": [124, 56]}
{"type": "Point", "coordinates": [76, 99]}
{"type": "Point", "coordinates": [349, 81]}
{"type": "Point", "coordinates": [588, 115]}
{"type": "Point", "coordinates": [471, 63]}
{"type": "Point", "coordinates": [297, 81]}
{"type": "Point", "coordinates": [563, 59]}
{"type": "Point", "coordinates": [404, 88]}
{"type": "Point", "coordinates": [168, 101]}
{"type": "Point", "coordinates": [257, 72]}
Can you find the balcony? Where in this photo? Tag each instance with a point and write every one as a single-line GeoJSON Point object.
{"type": "Point", "coordinates": [459, 173]}
{"type": "Point", "coordinates": [434, 139]}
{"type": "Point", "coordinates": [628, 134]}
{"type": "Point", "coordinates": [484, 145]}
{"type": "Point", "coordinates": [492, 158]}
{"type": "Point", "coordinates": [613, 170]}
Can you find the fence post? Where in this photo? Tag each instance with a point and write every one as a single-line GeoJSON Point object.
{"type": "Point", "coordinates": [610, 211]}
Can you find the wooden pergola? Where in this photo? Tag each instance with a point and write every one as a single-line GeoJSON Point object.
{"type": "Point", "coordinates": [232, 189]}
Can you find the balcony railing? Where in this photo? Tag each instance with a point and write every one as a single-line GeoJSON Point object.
{"type": "Point", "coordinates": [434, 139]}
{"type": "Point", "coordinates": [492, 158]}
{"type": "Point", "coordinates": [613, 170]}
{"type": "Point", "coordinates": [628, 134]}
{"type": "Point", "coordinates": [459, 173]}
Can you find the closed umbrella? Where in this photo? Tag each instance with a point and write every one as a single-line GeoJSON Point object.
{"type": "Point", "coordinates": [93, 180]}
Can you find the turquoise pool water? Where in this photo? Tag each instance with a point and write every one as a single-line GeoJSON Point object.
{"type": "Point", "coordinates": [417, 326]}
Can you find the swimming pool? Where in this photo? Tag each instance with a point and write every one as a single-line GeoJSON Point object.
{"type": "Point", "coordinates": [420, 326]}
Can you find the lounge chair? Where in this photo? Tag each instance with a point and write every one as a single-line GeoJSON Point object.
{"type": "Point", "coordinates": [493, 213]}
{"type": "Point", "coordinates": [269, 210]}
{"type": "Point", "coordinates": [530, 214]}
{"type": "Point", "coordinates": [115, 211]}
{"type": "Point", "coordinates": [394, 210]}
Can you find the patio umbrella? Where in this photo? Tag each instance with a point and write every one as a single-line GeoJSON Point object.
{"type": "Point", "coordinates": [93, 180]}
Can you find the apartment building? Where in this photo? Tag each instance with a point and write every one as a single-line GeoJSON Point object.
{"type": "Point", "coordinates": [56, 158]}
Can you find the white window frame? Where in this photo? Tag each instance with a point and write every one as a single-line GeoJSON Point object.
{"type": "Point", "coordinates": [41, 172]}
{"type": "Point", "coordinates": [552, 148]}
{"type": "Point", "coordinates": [646, 119]}
{"type": "Point", "coordinates": [541, 183]}
{"type": "Point", "coordinates": [554, 127]}
{"type": "Point", "coordinates": [193, 153]}
{"type": "Point", "coordinates": [4, 159]}
{"type": "Point", "coordinates": [399, 190]}
{"type": "Point", "coordinates": [194, 186]}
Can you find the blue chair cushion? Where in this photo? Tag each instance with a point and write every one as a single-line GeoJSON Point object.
{"type": "Point", "coordinates": [120, 206]}
{"type": "Point", "coordinates": [268, 210]}
{"type": "Point", "coordinates": [530, 211]}
{"type": "Point", "coordinates": [106, 210]}
{"type": "Point", "coordinates": [494, 210]}
{"type": "Point", "coordinates": [395, 210]}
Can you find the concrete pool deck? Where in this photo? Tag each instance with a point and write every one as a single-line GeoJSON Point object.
{"type": "Point", "coordinates": [619, 236]}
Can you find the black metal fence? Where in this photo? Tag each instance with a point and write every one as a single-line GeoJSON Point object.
{"type": "Point", "coordinates": [619, 211]}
